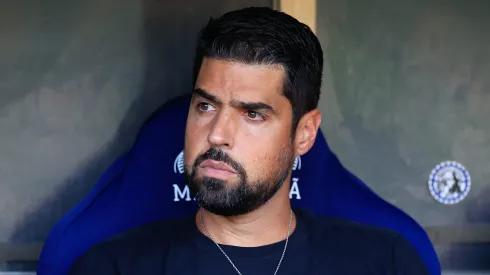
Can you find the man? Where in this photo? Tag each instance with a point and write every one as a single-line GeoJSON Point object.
{"type": "Point", "coordinates": [254, 108]}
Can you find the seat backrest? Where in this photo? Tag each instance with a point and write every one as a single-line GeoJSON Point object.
{"type": "Point", "coordinates": [146, 185]}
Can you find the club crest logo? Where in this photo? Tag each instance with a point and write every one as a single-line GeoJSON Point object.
{"type": "Point", "coordinates": [449, 182]}
{"type": "Point", "coordinates": [297, 163]}
{"type": "Point", "coordinates": [179, 163]}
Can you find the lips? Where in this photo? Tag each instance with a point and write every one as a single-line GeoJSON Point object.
{"type": "Point", "coordinates": [216, 165]}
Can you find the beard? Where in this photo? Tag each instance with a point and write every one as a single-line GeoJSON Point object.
{"type": "Point", "coordinates": [245, 196]}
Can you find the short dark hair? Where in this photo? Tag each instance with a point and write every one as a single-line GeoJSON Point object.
{"type": "Point", "coordinates": [260, 35]}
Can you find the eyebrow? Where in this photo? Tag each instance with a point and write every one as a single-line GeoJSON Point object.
{"type": "Point", "coordinates": [202, 93]}
{"type": "Point", "coordinates": [255, 106]}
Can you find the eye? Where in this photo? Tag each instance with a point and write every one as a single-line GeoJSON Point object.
{"type": "Point", "coordinates": [205, 107]}
{"type": "Point", "coordinates": [252, 115]}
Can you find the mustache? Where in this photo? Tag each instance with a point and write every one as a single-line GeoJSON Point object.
{"type": "Point", "coordinates": [220, 155]}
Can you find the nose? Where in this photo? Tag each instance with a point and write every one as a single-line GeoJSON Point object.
{"type": "Point", "coordinates": [222, 128]}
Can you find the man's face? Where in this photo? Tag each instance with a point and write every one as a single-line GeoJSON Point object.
{"type": "Point", "coordinates": [238, 146]}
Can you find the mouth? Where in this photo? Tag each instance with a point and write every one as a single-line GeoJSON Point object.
{"type": "Point", "coordinates": [216, 169]}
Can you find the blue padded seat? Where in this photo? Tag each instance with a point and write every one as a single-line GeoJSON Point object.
{"type": "Point", "coordinates": [146, 184]}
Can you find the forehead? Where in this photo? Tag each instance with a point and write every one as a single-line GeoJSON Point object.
{"type": "Point", "coordinates": [236, 79]}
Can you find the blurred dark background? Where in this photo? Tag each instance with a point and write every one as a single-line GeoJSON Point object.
{"type": "Point", "coordinates": [406, 87]}
{"type": "Point", "coordinates": [77, 80]}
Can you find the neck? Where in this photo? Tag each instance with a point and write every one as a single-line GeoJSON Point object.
{"type": "Point", "coordinates": [266, 225]}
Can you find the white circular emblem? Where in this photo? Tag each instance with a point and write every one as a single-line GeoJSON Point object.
{"type": "Point", "coordinates": [179, 163]}
{"type": "Point", "coordinates": [297, 163]}
{"type": "Point", "coordinates": [449, 182]}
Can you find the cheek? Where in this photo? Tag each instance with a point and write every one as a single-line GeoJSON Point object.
{"type": "Point", "coordinates": [195, 144]}
{"type": "Point", "coordinates": [264, 153]}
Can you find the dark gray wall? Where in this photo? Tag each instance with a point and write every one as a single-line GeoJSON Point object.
{"type": "Point", "coordinates": [407, 85]}
{"type": "Point", "coordinates": [77, 79]}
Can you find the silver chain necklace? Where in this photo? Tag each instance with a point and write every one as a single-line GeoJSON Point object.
{"type": "Point", "coordinates": [222, 251]}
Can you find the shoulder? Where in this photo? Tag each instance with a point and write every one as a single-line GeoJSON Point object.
{"type": "Point", "coordinates": [355, 232]}
{"type": "Point", "coordinates": [372, 247]}
{"type": "Point", "coordinates": [148, 235]}
{"type": "Point", "coordinates": [343, 228]}
{"type": "Point", "coordinates": [155, 231]}
{"type": "Point", "coordinates": [140, 244]}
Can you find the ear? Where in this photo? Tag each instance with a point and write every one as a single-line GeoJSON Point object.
{"type": "Point", "coordinates": [306, 132]}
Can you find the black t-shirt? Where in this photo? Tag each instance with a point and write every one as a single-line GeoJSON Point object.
{"type": "Point", "coordinates": [317, 246]}
{"type": "Point", "coordinates": [254, 260]}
